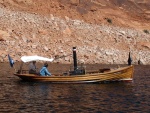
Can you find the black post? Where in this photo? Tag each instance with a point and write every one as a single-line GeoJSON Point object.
{"type": "Point", "coordinates": [129, 59]}
{"type": "Point", "coordinates": [74, 58]}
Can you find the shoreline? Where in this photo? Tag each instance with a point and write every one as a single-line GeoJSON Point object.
{"type": "Point", "coordinates": [60, 68]}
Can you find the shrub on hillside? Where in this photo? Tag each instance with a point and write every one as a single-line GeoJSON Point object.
{"type": "Point", "coordinates": [109, 20]}
{"type": "Point", "coordinates": [146, 31]}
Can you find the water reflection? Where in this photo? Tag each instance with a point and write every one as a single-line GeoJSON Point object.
{"type": "Point", "coordinates": [18, 96]}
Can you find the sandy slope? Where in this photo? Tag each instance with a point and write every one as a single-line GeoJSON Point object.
{"type": "Point", "coordinates": [52, 27]}
{"type": "Point", "coordinates": [128, 13]}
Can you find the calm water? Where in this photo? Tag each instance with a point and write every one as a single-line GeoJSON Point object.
{"type": "Point", "coordinates": [17, 96]}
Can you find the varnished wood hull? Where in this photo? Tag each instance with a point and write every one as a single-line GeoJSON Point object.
{"type": "Point", "coordinates": [120, 74]}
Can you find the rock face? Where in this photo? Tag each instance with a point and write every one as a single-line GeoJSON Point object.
{"type": "Point", "coordinates": [25, 33]}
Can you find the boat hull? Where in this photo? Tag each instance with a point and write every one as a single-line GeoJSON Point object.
{"type": "Point", "coordinates": [120, 74]}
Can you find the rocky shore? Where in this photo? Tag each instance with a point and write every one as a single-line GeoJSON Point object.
{"type": "Point", "coordinates": [23, 33]}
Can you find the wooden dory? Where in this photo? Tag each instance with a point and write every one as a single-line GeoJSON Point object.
{"type": "Point", "coordinates": [120, 74]}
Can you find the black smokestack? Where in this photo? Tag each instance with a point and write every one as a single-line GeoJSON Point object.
{"type": "Point", "coordinates": [129, 59]}
{"type": "Point", "coordinates": [74, 58]}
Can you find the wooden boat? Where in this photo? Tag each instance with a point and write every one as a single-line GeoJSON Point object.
{"type": "Point", "coordinates": [80, 75]}
{"type": "Point", "coordinates": [120, 74]}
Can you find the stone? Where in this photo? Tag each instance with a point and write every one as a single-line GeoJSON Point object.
{"type": "Point", "coordinates": [46, 48]}
{"type": "Point", "coordinates": [43, 32]}
{"type": "Point", "coordinates": [67, 31]}
{"type": "Point", "coordinates": [1, 39]}
{"type": "Point", "coordinates": [75, 2]}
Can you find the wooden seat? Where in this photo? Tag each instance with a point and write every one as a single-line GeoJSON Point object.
{"type": "Point", "coordinates": [104, 70]}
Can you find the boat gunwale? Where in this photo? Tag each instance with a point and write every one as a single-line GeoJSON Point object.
{"type": "Point", "coordinates": [73, 76]}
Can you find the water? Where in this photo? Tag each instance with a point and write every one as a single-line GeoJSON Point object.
{"type": "Point", "coordinates": [17, 96]}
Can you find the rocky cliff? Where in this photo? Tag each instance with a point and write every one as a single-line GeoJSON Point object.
{"type": "Point", "coordinates": [103, 31]}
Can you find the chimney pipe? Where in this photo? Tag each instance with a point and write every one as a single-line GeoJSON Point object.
{"type": "Point", "coordinates": [74, 58]}
{"type": "Point", "coordinates": [129, 59]}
